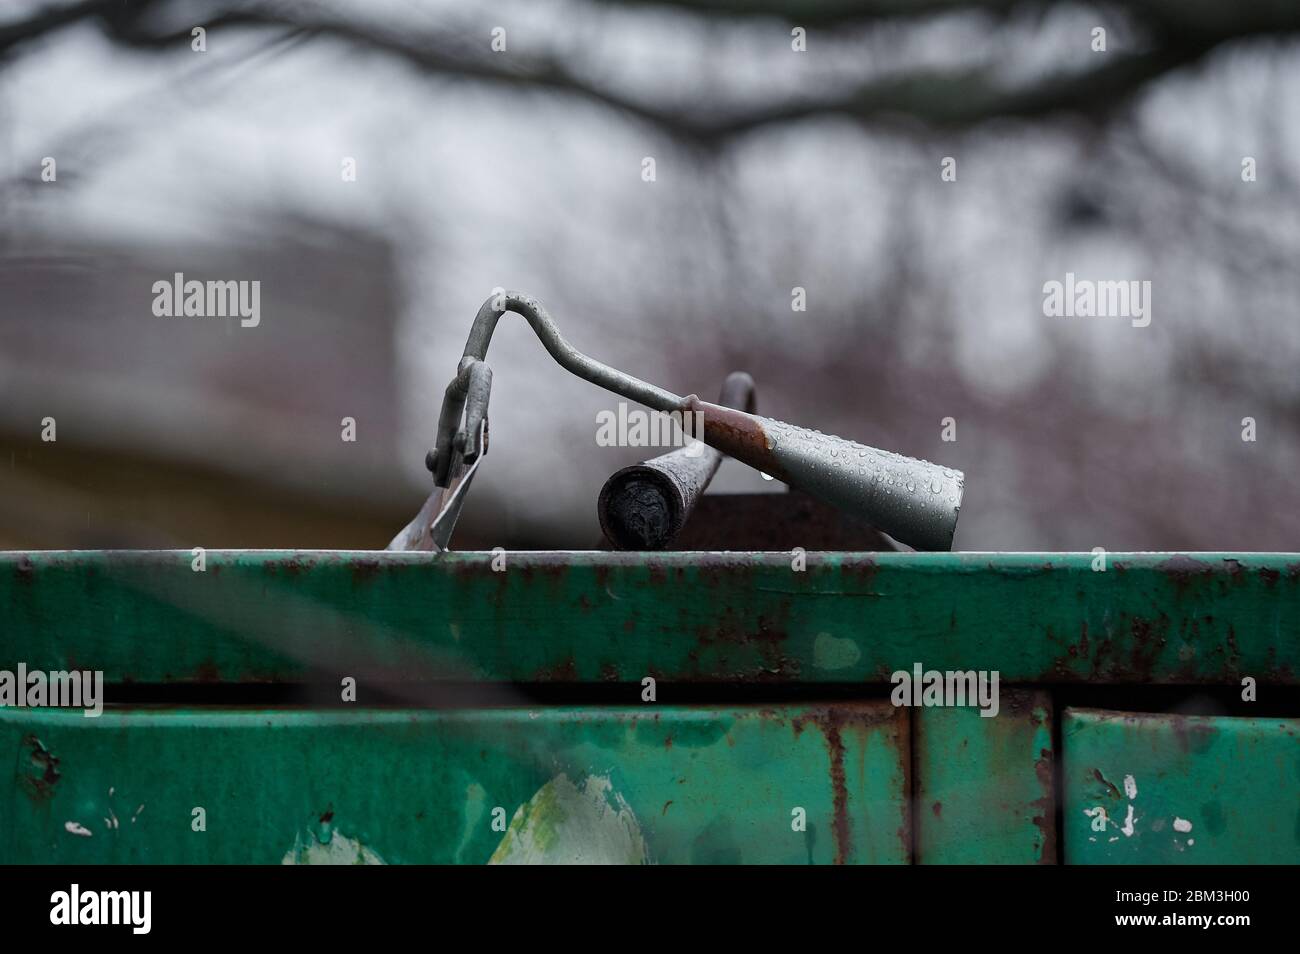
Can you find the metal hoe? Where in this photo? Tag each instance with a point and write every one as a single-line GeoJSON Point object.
{"type": "Point", "coordinates": [912, 500]}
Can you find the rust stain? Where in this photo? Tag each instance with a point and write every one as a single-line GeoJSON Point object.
{"type": "Point", "coordinates": [828, 721]}
{"type": "Point", "coordinates": [552, 571]}
{"type": "Point", "coordinates": [1110, 786]}
{"type": "Point", "coordinates": [1045, 806]}
{"type": "Point", "coordinates": [1183, 569]}
{"type": "Point", "coordinates": [737, 434]}
{"type": "Point", "coordinates": [1149, 640]}
{"type": "Point", "coordinates": [41, 787]}
{"type": "Point", "coordinates": [864, 569]}
{"type": "Point", "coordinates": [566, 670]}
{"type": "Point", "coordinates": [733, 626]}
{"type": "Point", "coordinates": [831, 721]}
{"type": "Point", "coordinates": [480, 570]}
{"type": "Point", "coordinates": [292, 566]}
{"type": "Point", "coordinates": [1193, 735]}
{"type": "Point", "coordinates": [904, 739]}
{"type": "Point", "coordinates": [841, 826]}
{"type": "Point", "coordinates": [363, 571]}
{"type": "Point", "coordinates": [1232, 643]}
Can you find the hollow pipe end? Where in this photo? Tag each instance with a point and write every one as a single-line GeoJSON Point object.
{"type": "Point", "coordinates": [640, 508]}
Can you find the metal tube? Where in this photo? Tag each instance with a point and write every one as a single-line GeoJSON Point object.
{"type": "Point", "coordinates": [914, 501]}
{"type": "Point", "coordinates": [642, 507]}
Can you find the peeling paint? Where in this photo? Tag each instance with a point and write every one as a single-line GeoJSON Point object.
{"type": "Point", "coordinates": [1211, 790]}
{"type": "Point", "coordinates": [475, 807]}
{"type": "Point", "coordinates": [1127, 827]}
{"type": "Point", "coordinates": [41, 783]}
{"type": "Point", "coordinates": [1110, 786]}
{"type": "Point", "coordinates": [338, 850]}
{"type": "Point", "coordinates": [721, 763]}
{"type": "Point", "coordinates": [565, 824]}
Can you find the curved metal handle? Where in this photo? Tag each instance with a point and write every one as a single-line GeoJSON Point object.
{"type": "Point", "coordinates": [912, 500]}
{"type": "Point", "coordinates": [469, 390]}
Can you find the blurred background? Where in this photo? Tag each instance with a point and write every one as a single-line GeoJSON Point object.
{"type": "Point", "coordinates": [524, 166]}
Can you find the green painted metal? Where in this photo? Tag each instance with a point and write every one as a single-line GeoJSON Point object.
{"type": "Point", "coordinates": [659, 784]}
{"type": "Point", "coordinates": [1180, 789]}
{"type": "Point", "coordinates": [985, 787]}
{"type": "Point", "coordinates": [587, 616]}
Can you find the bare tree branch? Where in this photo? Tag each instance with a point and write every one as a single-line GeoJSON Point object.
{"type": "Point", "coordinates": [938, 98]}
{"type": "Point", "coordinates": [1191, 17]}
{"type": "Point", "coordinates": [820, 13]}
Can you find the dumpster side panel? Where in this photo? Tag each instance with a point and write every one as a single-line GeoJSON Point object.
{"type": "Point", "coordinates": [796, 785]}
{"type": "Point", "coordinates": [985, 786]}
{"type": "Point", "coordinates": [1170, 789]}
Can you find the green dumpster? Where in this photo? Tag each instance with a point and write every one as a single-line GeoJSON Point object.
{"type": "Point", "coordinates": [677, 707]}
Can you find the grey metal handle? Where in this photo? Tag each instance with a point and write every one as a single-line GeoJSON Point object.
{"type": "Point", "coordinates": [912, 500]}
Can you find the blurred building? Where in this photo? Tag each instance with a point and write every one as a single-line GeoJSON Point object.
{"type": "Point", "coordinates": [189, 431]}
